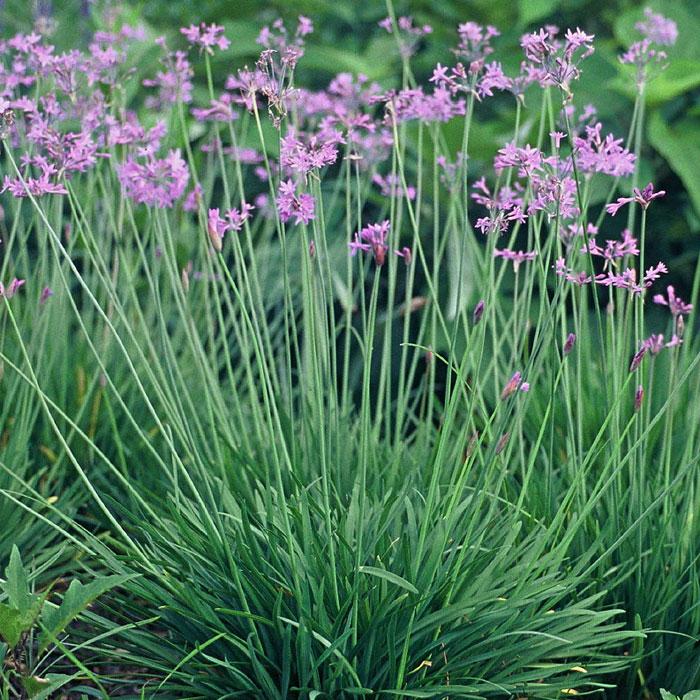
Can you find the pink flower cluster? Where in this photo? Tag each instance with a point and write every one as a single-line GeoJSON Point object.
{"type": "Point", "coordinates": [154, 181]}
{"type": "Point", "coordinates": [300, 206]}
{"type": "Point", "coordinates": [235, 218]}
{"type": "Point", "coordinates": [206, 37]}
{"type": "Point", "coordinates": [656, 31]}
{"type": "Point", "coordinates": [372, 239]}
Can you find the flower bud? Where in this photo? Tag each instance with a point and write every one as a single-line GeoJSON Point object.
{"type": "Point", "coordinates": [502, 442]}
{"type": "Point", "coordinates": [406, 254]}
{"type": "Point", "coordinates": [569, 344]}
{"type": "Point", "coordinates": [215, 238]}
{"type": "Point", "coordinates": [638, 397]}
{"type": "Point", "coordinates": [638, 357]}
{"type": "Point", "coordinates": [680, 325]}
{"type": "Point", "coordinates": [478, 311]}
{"type": "Point", "coordinates": [512, 386]}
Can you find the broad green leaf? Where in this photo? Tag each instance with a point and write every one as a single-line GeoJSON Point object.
{"type": "Point", "coordinates": [665, 695]}
{"type": "Point", "coordinates": [692, 695]}
{"type": "Point", "coordinates": [78, 596]}
{"type": "Point", "coordinates": [680, 77]}
{"type": "Point", "coordinates": [389, 576]}
{"type": "Point", "coordinates": [39, 688]}
{"type": "Point", "coordinates": [534, 10]}
{"type": "Point", "coordinates": [332, 60]}
{"type": "Point", "coordinates": [680, 146]}
{"type": "Point", "coordinates": [17, 585]}
{"type": "Point", "coordinates": [11, 625]}
{"type": "Point", "coordinates": [14, 623]}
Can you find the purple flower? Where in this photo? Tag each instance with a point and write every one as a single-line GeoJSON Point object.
{"type": "Point", "coordinates": [613, 249]}
{"type": "Point", "coordinates": [300, 158]}
{"type": "Point", "coordinates": [475, 42]}
{"type": "Point", "coordinates": [409, 34]}
{"type": "Point", "coordinates": [46, 292]}
{"type": "Point", "coordinates": [556, 137]}
{"type": "Point", "coordinates": [174, 83]}
{"type": "Point", "coordinates": [439, 74]}
{"type": "Point", "coordinates": [282, 51]}
{"type": "Point", "coordinates": [628, 278]}
{"type": "Point", "coordinates": [579, 278]}
{"type": "Point", "coordinates": [655, 343]}
{"type": "Point", "coordinates": [216, 228]}
{"type": "Point", "coordinates": [193, 199]}
{"type": "Point", "coordinates": [154, 182]}
{"type": "Point", "coordinates": [130, 131]}
{"type": "Point", "coordinates": [237, 217]}
{"type": "Point", "coordinates": [34, 186]}
{"type": "Point", "coordinates": [516, 257]}
{"type": "Point", "coordinates": [638, 398]}
{"type": "Point", "coordinates": [391, 186]}
{"type": "Point", "coordinates": [305, 26]}
{"type": "Point", "coordinates": [514, 384]}
{"type": "Point", "coordinates": [505, 206]}
{"type": "Point", "coordinates": [290, 204]}
{"type": "Point", "coordinates": [642, 54]}
{"type": "Point", "coordinates": [569, 343]}
{"type": "Point", "coordinates": [218, 111]}
{"type": "Point", "coordinates": [406, 253]}
{"type": "Point", "coordinates": [478, 311]}
{"type": "Point", "coordinates": [372, 239]}
{"type": "Point", "coordinates": [643, 197]}
{"type": "Point", "coordinates": [206, 37]}
{"type": "Point", "coordinates": [595, 154]}
{"type": "Point", "coordinates": [11, 289]}
{"type": "Point", "coordinates": [414, 103]}
{"type": "Point", "coordinates": [676, 305]}
{"type": "Point", "coordinates": [657, 28]}
{"type": "Point", "coordinates": [525, 158]}
{"type": "Point", "coordinates": [553, 62]}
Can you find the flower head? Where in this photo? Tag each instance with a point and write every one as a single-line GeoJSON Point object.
{"type": "Point", "coordinates": [11, 289]}
{"type": "Point", "coordinates": [301, 206]}
{"type": "Point", "coordinates": [552, 61]}
{"type": "Point", "coordinates": [643, 197]}
{"type": "Point", "coordinates": [206, 37]}
{"type": "Point", "coordinates": [675, 304]}
{"type": "Point", "coordinates": [154, 181]}
{"type": "Point", "coordinates": [515, 256]}
{"type": "Point", "coordinates": [372, 239]}
{"type": "Point", "coordinates": [657, 28]}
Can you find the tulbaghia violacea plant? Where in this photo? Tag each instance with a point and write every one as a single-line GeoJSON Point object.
{"type": "Point", "coordinates": [351, 410]}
